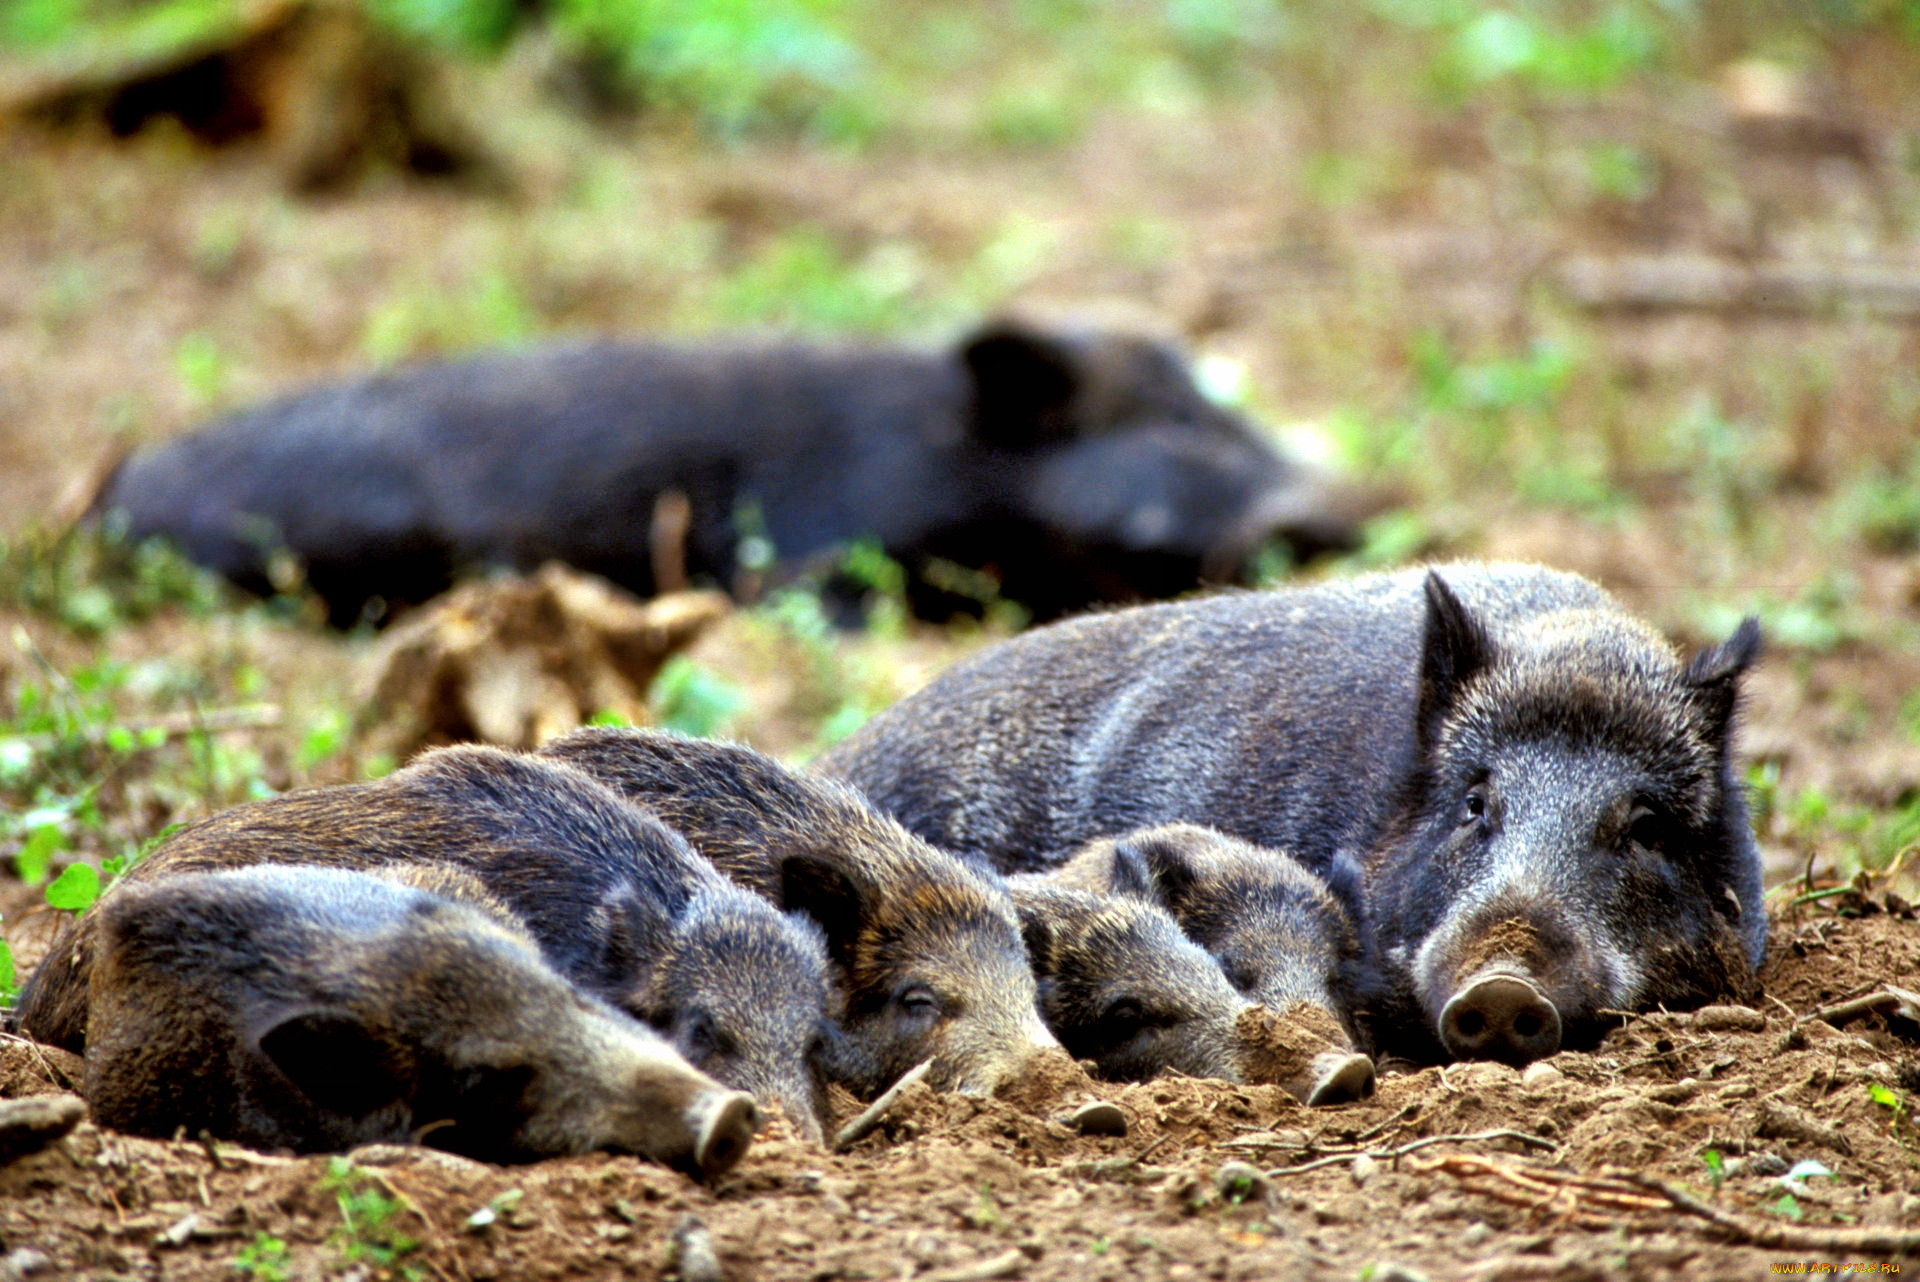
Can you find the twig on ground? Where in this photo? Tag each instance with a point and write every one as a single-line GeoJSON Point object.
{"type": "Point", "coordinates": [1789, 1237]}
{"type": "Point", "coordinates": [1390, 1154]}
{"type": "Point", "coordinates": [865, 1124]}
{"type": "Point", "coordinates": [1888, 1001]}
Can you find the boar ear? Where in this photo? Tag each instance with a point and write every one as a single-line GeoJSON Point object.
{"type": "Point", "coordinates": [1715, 672]}
{"type": "Point", "coordinates": [338, 1062]}
{"type": "Point", "coordinates": [1038, 937]}
{"type": "Point", "coordinates": [821, 888]}
{"type": "Point", "coordinates": [1022, 382]}
{"type": "Point", "coordinates": [1453, 647]}
{"type": "Point", "coordinates": [1153, 870]}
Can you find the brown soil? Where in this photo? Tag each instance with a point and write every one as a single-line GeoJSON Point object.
{"type": "Point", "coordinates": [1208, 1181]}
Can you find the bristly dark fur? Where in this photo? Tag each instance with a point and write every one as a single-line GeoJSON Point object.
{"type": "Point", "coordinates": [617, 902]}
{"type": "Point", "coordinates": [1281, 933]}
{"type": "Point", "coordinates": [1030, 452]}
{"type": "Point", "coordinates": [318, 1008]}
{"type": "Point", "coordinates": [926, 951]}
{"type": "Point", "coordinates": [1354, 721]}
{"type": "Point", "coordinates": [1122, 986]}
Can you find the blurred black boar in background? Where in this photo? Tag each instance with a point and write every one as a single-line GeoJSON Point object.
{"type": "Point", "coordinates": [1070, 468]}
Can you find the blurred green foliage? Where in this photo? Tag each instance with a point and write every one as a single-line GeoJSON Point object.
{"type": "Point", "coordinates": [846, 70]}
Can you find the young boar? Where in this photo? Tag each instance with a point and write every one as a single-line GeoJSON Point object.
{"type": "Point", "coordinates": [926, 952]}
{"type": "Point", "coordinates": [1281, 934]}
{"type": "Point", "coordinates": [1072, 468]}
{"type": "Point", "coordinates": [616, 901]}
{"type": "Point", "coordinates": [316, 1009]}
{"type": "Point", "coordinates": [1121, 986]}
{"type": "Point", "coordinates": [1540, 792]}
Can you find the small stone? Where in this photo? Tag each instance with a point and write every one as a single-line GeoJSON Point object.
{"type": "Point", "coordinates": [23, 1262]}
{"type": "Point", "coordinates": [1241, 1182]}
{"type": "Point", "coordinates": [1541, 1074]}
{"type": "Point", "coordinates": [1097, 1117]}
{"type": "Point", "coordinates": [1398, 1273]}
{"type": "Point", "coordinates": [1729, 1019]}
{"type": "Point", "coordinates": [1676, 1092]}
{"type": "Point", "coordinates": [1475, 1235]}
{"type": "Point", "coordinates": [177, 1235]}
{"type": "Point", "coordinates": [31, 1124]}
{"type": "Point", "coordinates": [1362, 1169]}
{"type": "Point", "coordinates": [694, 1256]}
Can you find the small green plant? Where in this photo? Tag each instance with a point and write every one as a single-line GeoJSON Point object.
{"type": "Point", "coordinates": [1788, 1207]}
{"type": "Point", "coordinates": [9, 987]}
{"type": "Point", "coordinates": [369, 1232]}
{"type": "Point", "coordinates": [264, 1259]}
{"type": "Point", "coordinates": [1890, 1100]}
{"type": "Point", "coordinates": [490, 310]}
{"type": "Point", "coordinates": [1716, 1168]}
{"type": "Point", "coordinates": [693, 700]}
{"type": "Point", "coordinates": [94, 578]}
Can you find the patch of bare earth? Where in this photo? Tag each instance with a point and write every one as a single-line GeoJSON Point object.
{"type": "Point", "coordinates": [1211, 1180]}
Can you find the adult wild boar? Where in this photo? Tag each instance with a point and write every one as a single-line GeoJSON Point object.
{"type": "Point", "coordinates": [1540, 791]}
{"type": "Point", "coordinates": [926, 952]}
{"type": "Point", "coordinates": [1075, 467]}
{"type": "Point", "coordinates": [316, 1008]}
{"type": "Point", "coordinates": [615, 901]}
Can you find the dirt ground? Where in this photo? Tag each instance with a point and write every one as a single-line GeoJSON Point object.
{"type": "Point", "coordinates": [1210, 1180]}
{"type": "Point", "coordinates": [150, 282]}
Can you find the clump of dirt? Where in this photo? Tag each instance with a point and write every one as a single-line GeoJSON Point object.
{"type": "Point", "coordinates": [1289, 1046]}
{"type": "Point", "coordinates": [517, 660]}
{"type": "Point", "coordinates": [1511, 939]}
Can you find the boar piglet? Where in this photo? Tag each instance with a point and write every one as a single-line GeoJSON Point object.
{"type": "Point", "coordinates": [1280, 933]}
{"type": "Point", "coordinates": [926, 952]}
{"type": "Point", "coordinates": [317, 1009]}
{"type": "Point", "coordinates": [617, 902]}
{"type": "Point", "coordinates": [1539, 790]}
{"type": "Point", "coordinates": [1121, 986]}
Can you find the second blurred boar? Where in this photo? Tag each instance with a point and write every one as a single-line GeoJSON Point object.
{"type": "Point", "coordinates": [1070, 467]}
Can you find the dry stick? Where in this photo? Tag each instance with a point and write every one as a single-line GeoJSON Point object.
{"type": "Point", "coordinates": [1784, 1237]}
{"type": "Point", "coordinates": [1388, 1154]}
{"type": "Point", "coordinates": [1888, 1000]}
{"type": "Point", "coordinates": [862, 1126]}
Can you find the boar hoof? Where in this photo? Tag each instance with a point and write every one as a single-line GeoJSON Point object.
{"type": "Point", "coordinates": [1339, 1077]}
{"type": "Point", "coordinates": [725, 1132]}
{"type": "Point", "coordinates": [1500, 1017]}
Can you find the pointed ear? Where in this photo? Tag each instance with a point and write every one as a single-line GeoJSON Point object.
{"type": "Point", "coordinates": [823, 890]}
{"type": "Point", "coordinates": [1157, 870]}
{"type": "Point", "coordinates": [1453, 647]}
{"type": "Point", "coordinates": [626, 933]}
{"type": "Point", "coordinates": [338, 1062]}
{"type": "Point", "coordinates": [1037, 934]}
{"type": "Point", "coordinates": [1714, 674]}
{"type": "Point", "coordinates": [1023, 382]}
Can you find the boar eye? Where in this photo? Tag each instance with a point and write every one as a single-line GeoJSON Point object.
{"type": "Point", "coordinates": [704, 1038]}
{"type": "Point", "coordinates": [1241, 975]}
{"type": "Point", "coordinates": [1473, 807]}
{"type": "Point", "coordinates": [1123, 1016]}
{"type": "Point", "coordinates": [918, 999]}
{"type": "Point", "coordinates": [1646, 829]}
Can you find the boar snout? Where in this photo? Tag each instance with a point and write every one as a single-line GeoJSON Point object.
{"type": "Point", "coordinates": [723, 1123]}
{"type": "Point", "coordinates": [1503, 1016]}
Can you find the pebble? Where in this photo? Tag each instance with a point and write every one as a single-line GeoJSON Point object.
{"type": "Point", "coordinates": [1097, 1117]}
{"type": "Point", "coordinates": [1361, 1169]}
{"type": "Point", "coordinates": [694, 1257]}
{"type": "Point", "coordinates": [23, 1262]}
{"type": "Point", "coordinates": [1398, 1273]}
{"type": "Point", "coordinates": [1541, 1073]}
{"type": "Point", "coordinates": [1241, 1182]}
{"type": "Point", "coordinates": [1475, 1234]}
{"type": "Point", "coordinates": [1729, 1019]}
